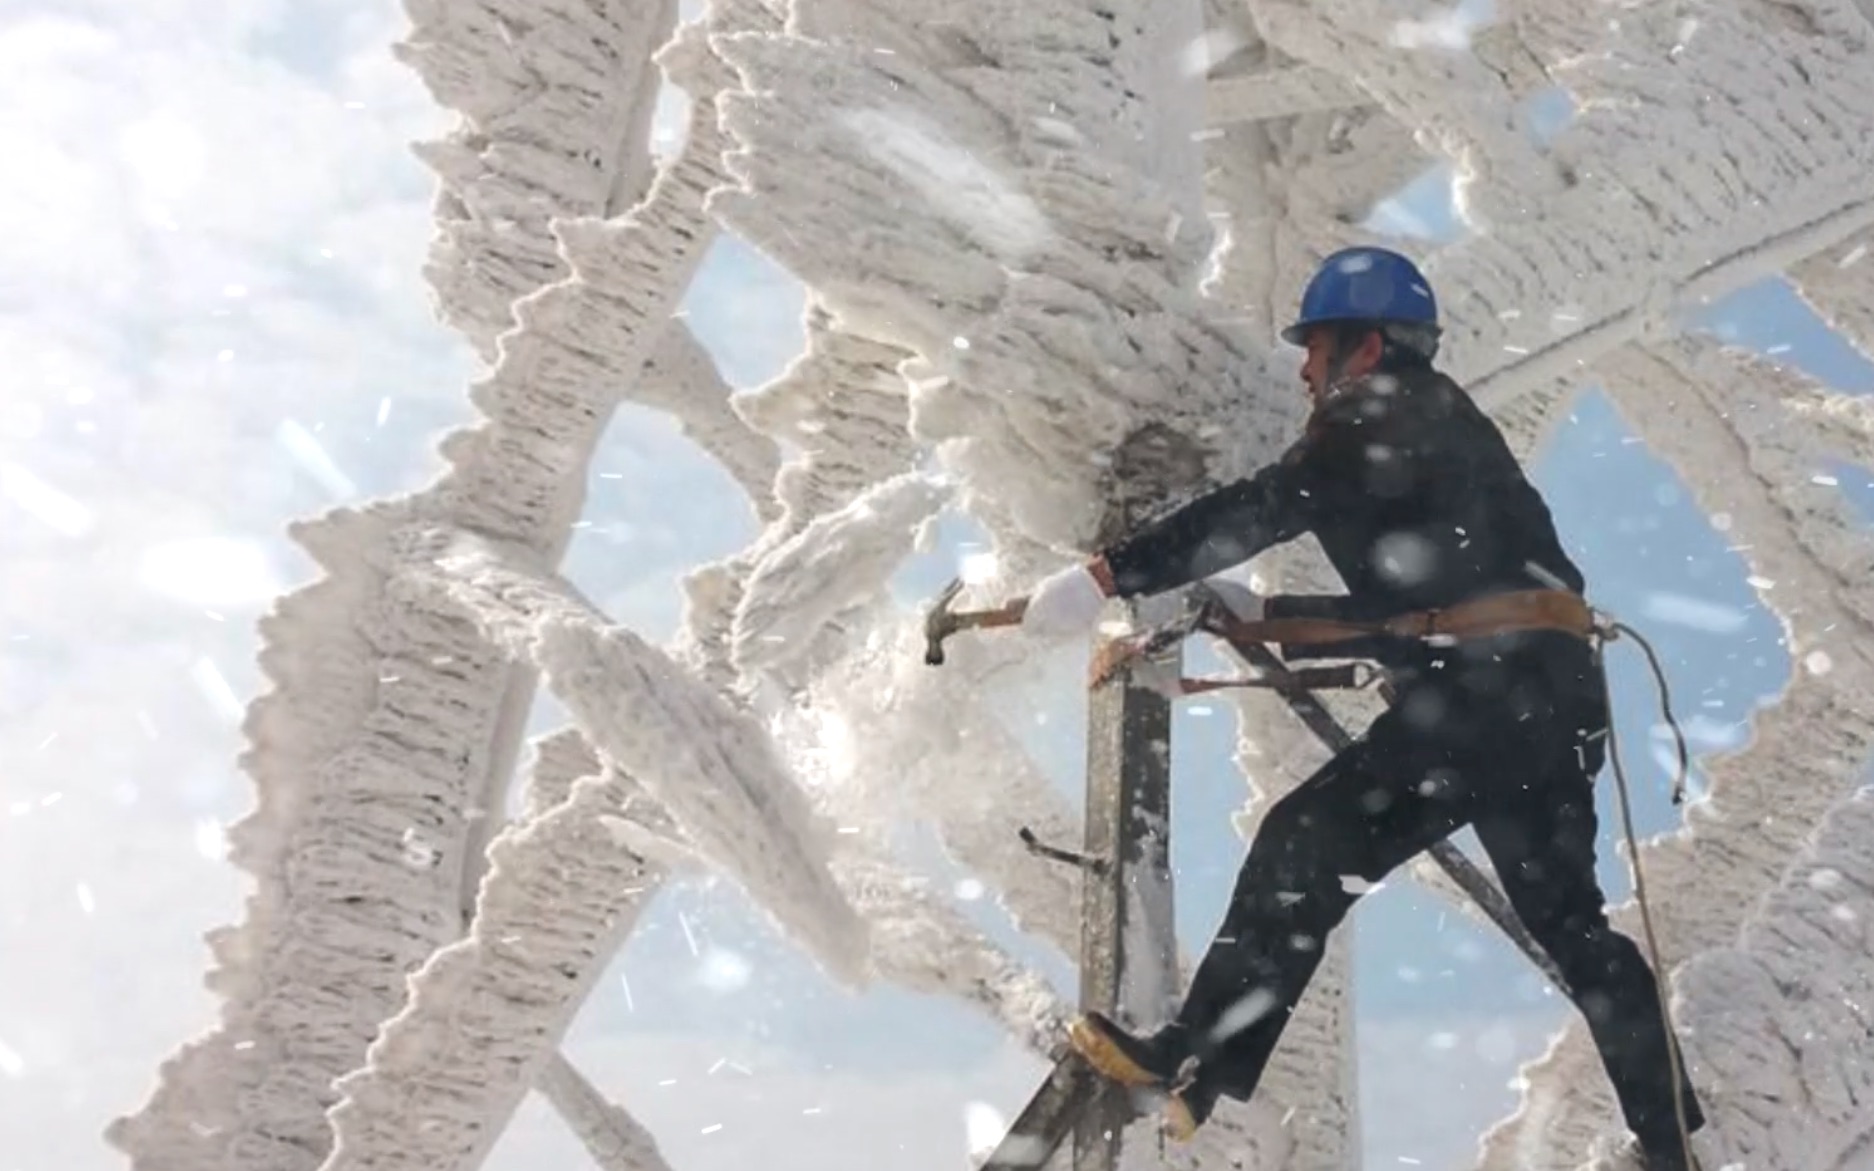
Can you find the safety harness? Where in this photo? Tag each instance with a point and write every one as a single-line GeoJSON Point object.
{"type": "Point", "coordinates": [1516, 612]}
{"type": "Point", "coordinates": [1494, 615]}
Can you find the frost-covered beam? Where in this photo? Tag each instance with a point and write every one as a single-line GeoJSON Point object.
{"type": "Point", "coordinates": [908, 917]}
{"type": "Point", "coordinates": [1842, 425]}
{"type": "Point", "coordinates": [1436, 94]}
{"type": "Point", "coordinates": [1758, 184]}
{"type": "Point", "coordinates": [1284, 200]}
{"type": "Point", "coordinates": [710, 766]}
{"type": "Point", "coordinates": [564, 888]}
{"type": "Point", "coordinates": [1692, 400]}
{"type": "Point", "coordinates": [1305, 88]}
{"type": "Point", "coordinates": [921, 942]}
{"type": "Point", "coordinates": [1781, 1022]}
{"type": "Point", "coordinates": [390, 729]}
{"type": "Point", "coordinates": [612, 1137]}
{"type": "Point", "coordinates": [1516, 45]}
{"type": "Point", "coordinates": [615, 1140]}
{"type": "Point", "coordinates": [583, 343]}
{"type": "Point", "coordinates": [1498, 380]}
{"type": "Point", "coordinates": [560, 759]}
{"type": "Point", "coordinates": [486, 1013]}
{"type": "Point", "coordinates": [1284, 196]}
{"type": "Point", "coordinates": [837, 561]}
{"type": "Point", "coordinates": [365, 756]}
{"type": "Point", "coordinates": [965, 214]}
{"type": "Point", "coordinates": [1279, 93]}
{"type": "Point", "coordinates": [843, 405]}
{"type": "Point", "coordinates": [1838, 283]}
{"type": "Point", "coordinates": [599, 326]}
{"type": "Point", "coordinates": [705, 640]}
{"type": "Point", "coordinates": [556, 99]}
{"type": "Point", "coordinates": [1333, 179]}
{"type": "Point", "coordinates": [1808, 555]}
{"type": "Point", "coordinates": [1753, 186]}
{"type": "Point", "coordinates": [680, 377]}
{"type": "Point", "coordinates": [1808, 549]}
{"type": "Point", "coordinates": [1529, 420]}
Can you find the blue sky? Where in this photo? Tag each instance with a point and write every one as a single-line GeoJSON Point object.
{"type": "Point", "coordinates": [215, 323]}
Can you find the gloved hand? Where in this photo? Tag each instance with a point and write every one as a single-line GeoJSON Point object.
{"type": "Point", "coordinates": [1244, 603]}
{"type": "Point", "coordinates": [1064, 604]}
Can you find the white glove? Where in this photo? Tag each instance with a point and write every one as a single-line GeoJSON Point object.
{"type": "Point", "coordinates": [1246, 604]}
{"type": "Point", "coordinates": [1067, 603]}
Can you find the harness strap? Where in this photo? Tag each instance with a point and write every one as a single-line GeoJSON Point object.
{"type": "Point", "coordinates": [1346, 677]}
{"type": "Point", "coordinates": [1508, 613]}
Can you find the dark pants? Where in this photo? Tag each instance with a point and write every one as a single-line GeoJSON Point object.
{"type": "Point", "coordinates": [1509, 745]}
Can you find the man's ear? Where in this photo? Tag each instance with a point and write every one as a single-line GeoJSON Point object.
{"type": "Point", "coordinates": [1372, 349]}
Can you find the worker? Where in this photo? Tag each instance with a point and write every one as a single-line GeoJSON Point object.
{"type": "Point", "coordinates": [1418, 502]}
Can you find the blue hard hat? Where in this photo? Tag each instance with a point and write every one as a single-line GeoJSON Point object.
{"type": "Point", "coordinates": [1365, 284]}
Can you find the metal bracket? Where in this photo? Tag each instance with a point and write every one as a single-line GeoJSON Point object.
{"type": "Point", "coordinates": [1055, 854]}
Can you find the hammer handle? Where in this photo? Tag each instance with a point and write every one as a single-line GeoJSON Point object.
{"type": "Point", "coordinates": [952, 621]}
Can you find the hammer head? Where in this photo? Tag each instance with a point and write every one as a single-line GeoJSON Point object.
{"type": "Point", "coordinates": [940, 622]}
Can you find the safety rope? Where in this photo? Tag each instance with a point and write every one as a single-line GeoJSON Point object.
{"type": "Point", "coordinates": [1607, 629]}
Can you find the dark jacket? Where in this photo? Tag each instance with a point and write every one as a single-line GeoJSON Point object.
{"type": "Point", "coordinates": [1408, 486]}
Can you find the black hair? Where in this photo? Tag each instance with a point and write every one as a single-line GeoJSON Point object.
{"type": "Point", "coordinates": [1403, 346]}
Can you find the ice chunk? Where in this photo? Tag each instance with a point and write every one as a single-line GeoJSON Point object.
{"type": "Point", "coordinates": [837, 561]}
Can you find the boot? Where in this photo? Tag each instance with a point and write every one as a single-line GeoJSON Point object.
{"type": "Point", "coordinates": [1119, 1056]}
